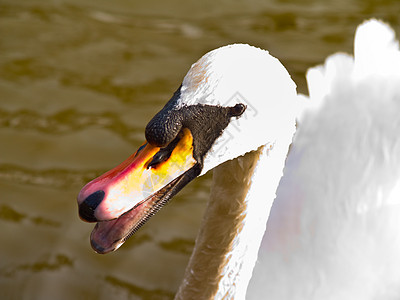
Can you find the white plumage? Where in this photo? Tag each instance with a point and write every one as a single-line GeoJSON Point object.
{"type": "Point", "coordinates": [334, 228]}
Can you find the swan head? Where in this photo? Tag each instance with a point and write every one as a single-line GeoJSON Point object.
{"type": "Point", "coordinates": [232, 101]}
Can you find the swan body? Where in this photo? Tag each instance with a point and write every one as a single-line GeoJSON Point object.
{"type": "Point", "coordinates": [334, 225]}
{"type": "Point", "coordinates": [333, 231]}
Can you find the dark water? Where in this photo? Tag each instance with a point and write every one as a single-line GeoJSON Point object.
{"type": "Point", "coordinates": [78, 82]}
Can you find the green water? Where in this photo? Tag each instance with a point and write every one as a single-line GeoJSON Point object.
{"type": "Point", "coordinates": [79, 80]}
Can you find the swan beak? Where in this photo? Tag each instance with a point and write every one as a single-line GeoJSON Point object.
{"type": "Point", "coordinates": [124, 198]}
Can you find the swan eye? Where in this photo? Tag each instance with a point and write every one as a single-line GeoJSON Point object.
{"type": "Point", "coordinates": [237, 110]}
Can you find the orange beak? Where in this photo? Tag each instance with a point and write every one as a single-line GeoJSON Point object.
{"type": "Point", "coordinates": [124, 198]}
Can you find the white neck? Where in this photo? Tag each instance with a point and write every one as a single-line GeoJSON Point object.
{"type": "Point", "coordinates": [234, 223]}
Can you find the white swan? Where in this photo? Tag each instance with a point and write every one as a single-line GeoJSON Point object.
{"type": "Point", "coordinates": [235, 111]}
{"type": "Point", "coordinates": [334, 230]}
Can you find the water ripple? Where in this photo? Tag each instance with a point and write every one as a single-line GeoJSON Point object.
{"type": "Point", "coordinates": [56, 178]}
{"type": "Point", "coordinates": [184, 246]}
{"type": "Point", "coordinates": [156, 294]}
{"type": "Point", "coordinates": [8, 213]}
{"type": "Point", "coordinates": [64, 122]}
{"type": "Point", "coordinates": [51, 263]}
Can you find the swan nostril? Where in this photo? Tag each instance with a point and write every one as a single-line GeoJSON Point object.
{"type": "Point", "coordinates": [89, 205]}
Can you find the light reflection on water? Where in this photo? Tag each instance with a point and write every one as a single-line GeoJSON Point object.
{"type": "Point", "coordinates": [78, 82]}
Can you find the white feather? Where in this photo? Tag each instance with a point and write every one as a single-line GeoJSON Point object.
{"type": "Point", "coordinates": [334, 229]}
{"type": "Point", "coordinates": [243, 74]}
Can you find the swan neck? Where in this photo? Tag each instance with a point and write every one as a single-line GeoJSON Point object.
{"type": "Point", "coordinates": [226, 248]}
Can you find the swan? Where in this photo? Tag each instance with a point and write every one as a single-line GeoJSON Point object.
{"type": "Point", "coordinates": [333, 230]}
